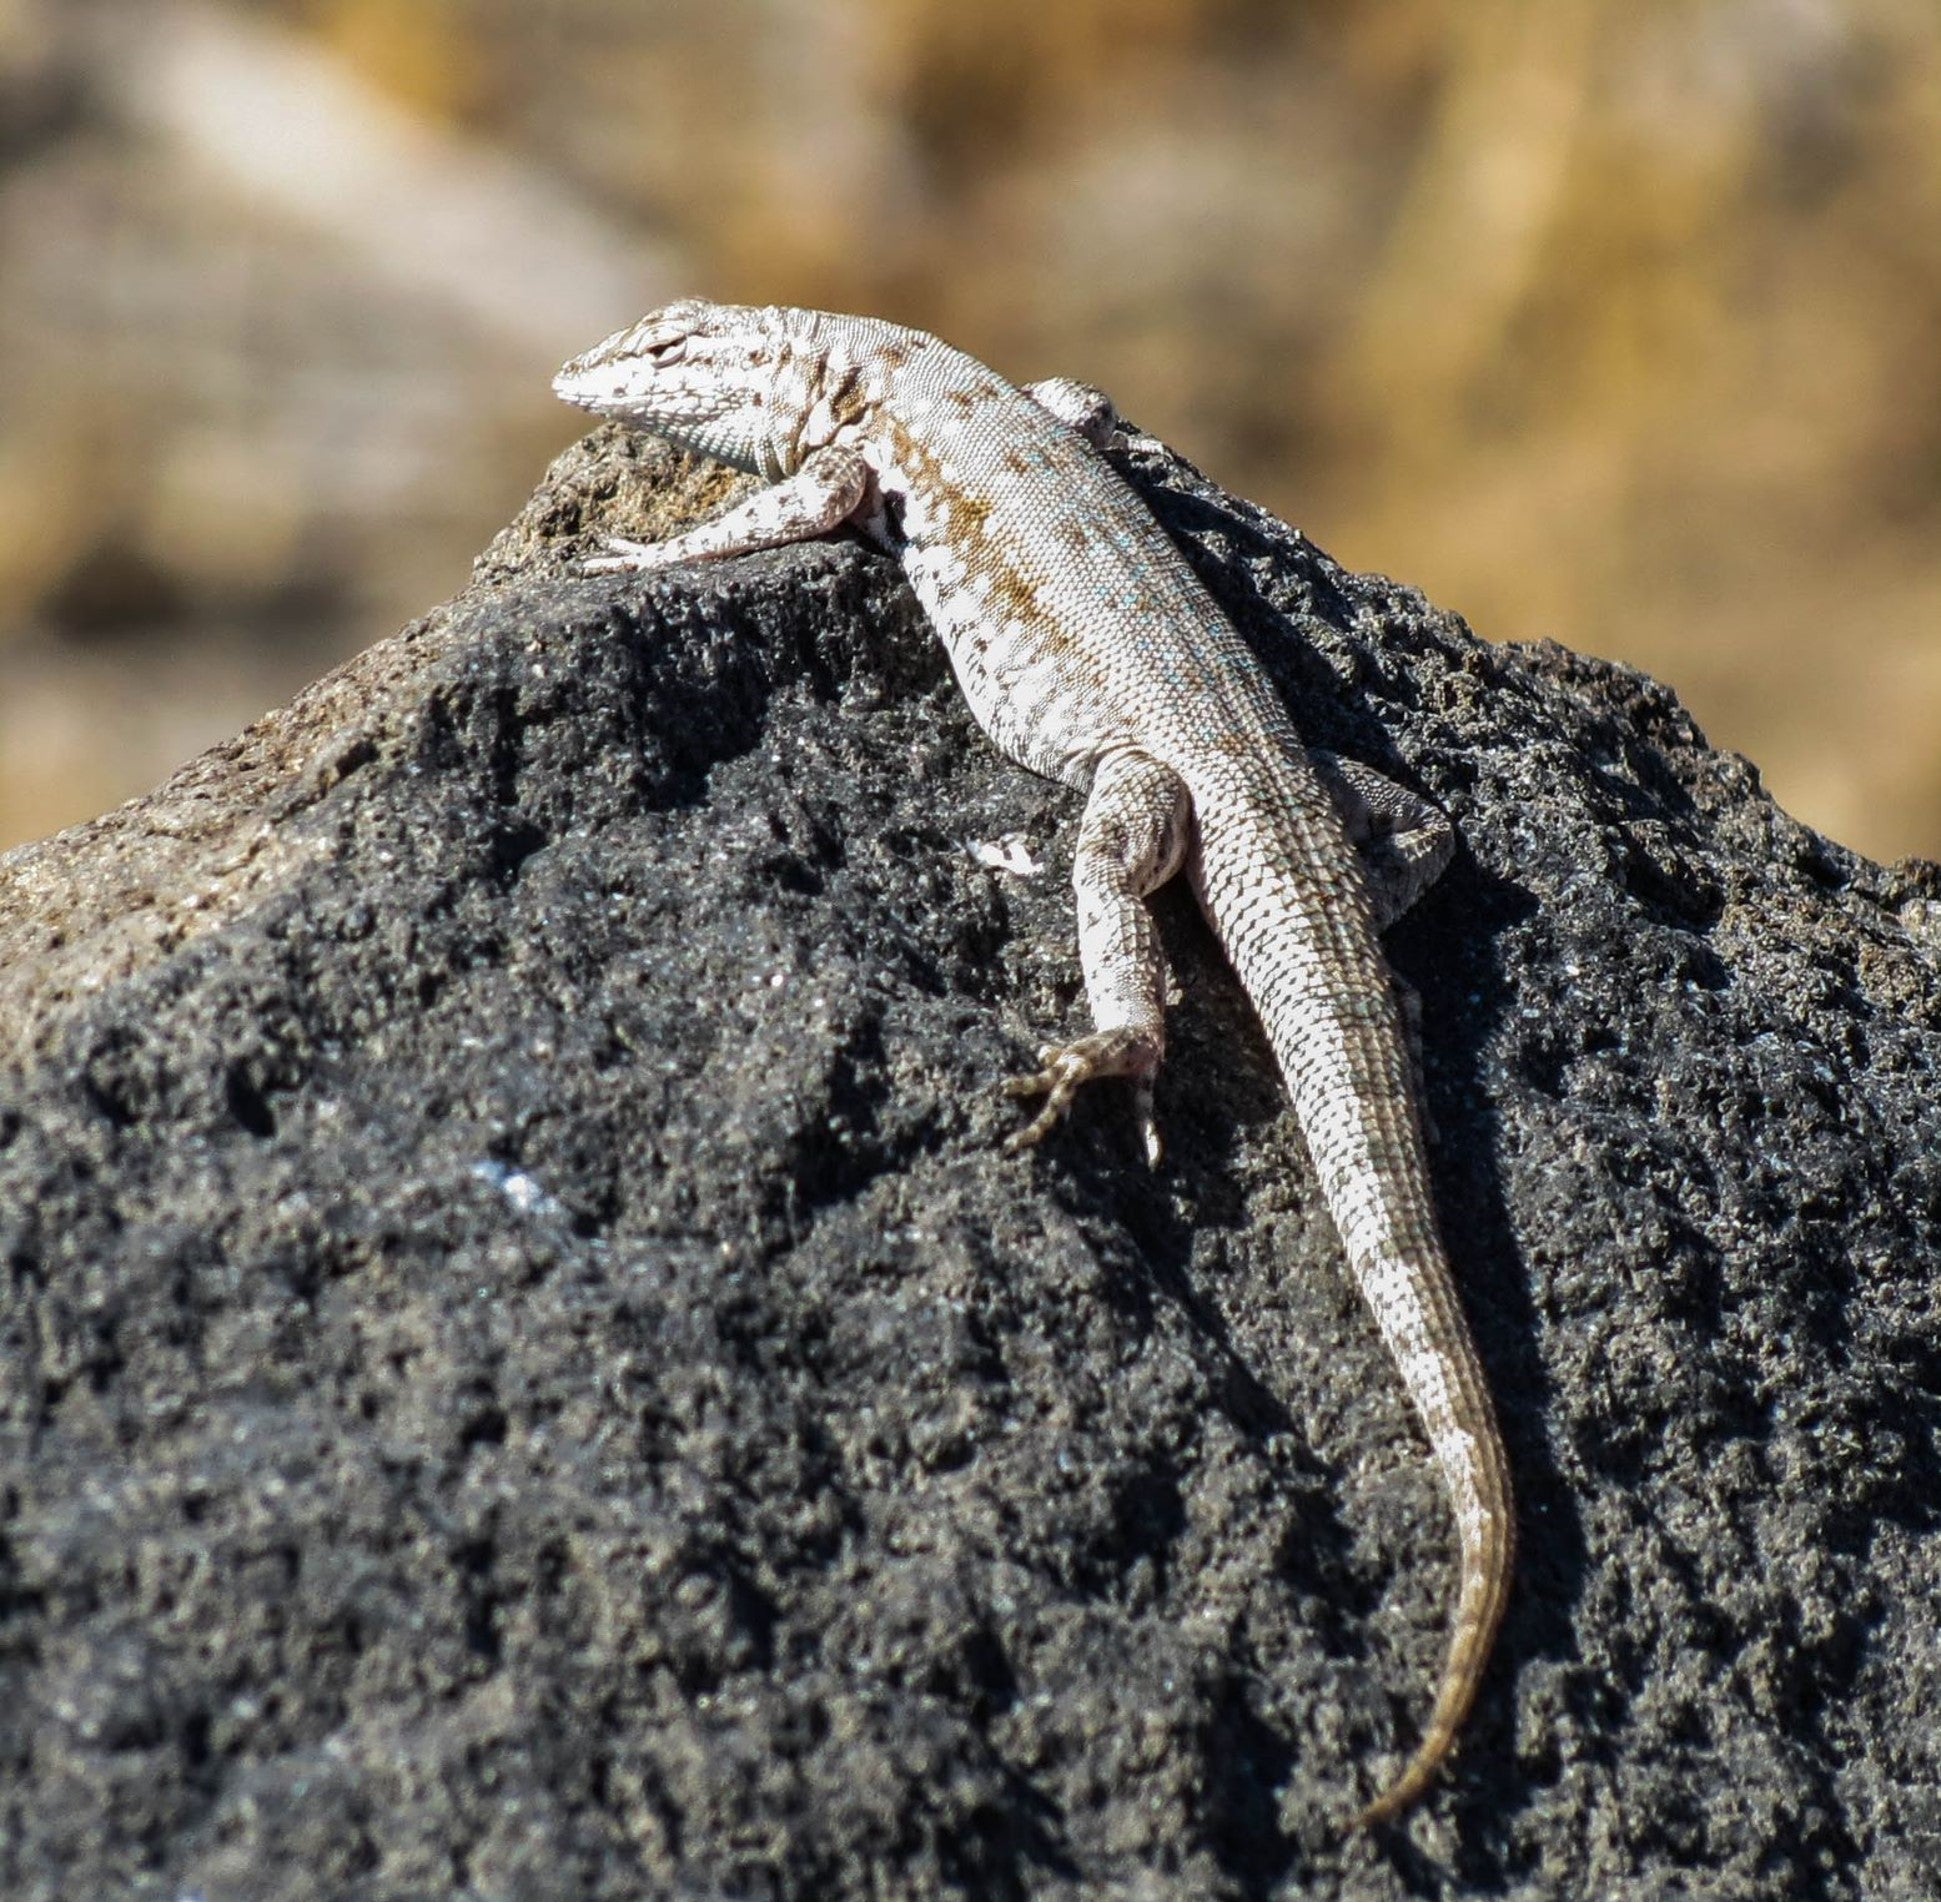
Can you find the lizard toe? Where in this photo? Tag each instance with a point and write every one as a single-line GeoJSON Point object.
{"type": "Point", "coordinates": [1066, 1068]}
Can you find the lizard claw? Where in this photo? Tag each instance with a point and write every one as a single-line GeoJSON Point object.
{"type": "Point", "coordinates": [1148, 1123]}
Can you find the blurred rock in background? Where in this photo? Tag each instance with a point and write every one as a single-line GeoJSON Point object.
{"type": "Point", "coordinates": [1610, 320]}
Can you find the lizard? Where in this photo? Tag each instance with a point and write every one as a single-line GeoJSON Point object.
{"type": "Point", "coordinates": [1091, 653]}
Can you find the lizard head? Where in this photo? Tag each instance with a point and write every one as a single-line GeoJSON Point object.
{"type": "Point", "coordinates": [702, 375]}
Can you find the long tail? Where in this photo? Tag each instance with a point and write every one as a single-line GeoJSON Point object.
{"type": "Point", "coordinates": [1299, 933]}
{"type": "Point", "coordinates": [1454, 1406]}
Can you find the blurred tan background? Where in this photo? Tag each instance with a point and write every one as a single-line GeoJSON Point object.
{"type": "Point", "coordinates": [1612, 320]}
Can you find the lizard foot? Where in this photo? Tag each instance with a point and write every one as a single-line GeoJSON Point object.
{"type": "Point", "coordinates": [623, 554]}
{"type": "Point", "coordinates": [1065, 1067]}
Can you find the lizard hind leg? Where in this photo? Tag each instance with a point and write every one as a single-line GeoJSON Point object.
{"type": "Point", "coordinates": [1404, 840]}
{"type": "Point", "coordinates": [1134, 837]}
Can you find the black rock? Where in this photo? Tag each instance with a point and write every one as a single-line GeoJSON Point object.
{"type": "Point", "coordinates": [527, 1372]}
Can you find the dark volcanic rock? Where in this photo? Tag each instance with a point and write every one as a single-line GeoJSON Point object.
{"type": "Point", "coordinates": [527, 1372]}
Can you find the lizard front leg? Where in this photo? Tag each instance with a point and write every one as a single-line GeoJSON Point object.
{"type": "Point", "coordinates": [823, 493]}
{"type": "Point", "coordinates": [1134, 836]}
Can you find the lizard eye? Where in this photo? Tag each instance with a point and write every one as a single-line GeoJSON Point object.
{"type": "Point", "coordinates": [670, 352]}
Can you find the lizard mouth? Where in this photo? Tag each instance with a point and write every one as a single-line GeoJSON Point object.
{"type": "Point", "coordinates": [580, 382]}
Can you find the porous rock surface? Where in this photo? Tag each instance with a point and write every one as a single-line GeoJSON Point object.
{"type": "Point", "coordinates": [526, 1371]}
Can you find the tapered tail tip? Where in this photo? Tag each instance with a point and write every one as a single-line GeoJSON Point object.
{"type": "Point", "coordinates": [1417, 1775]}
